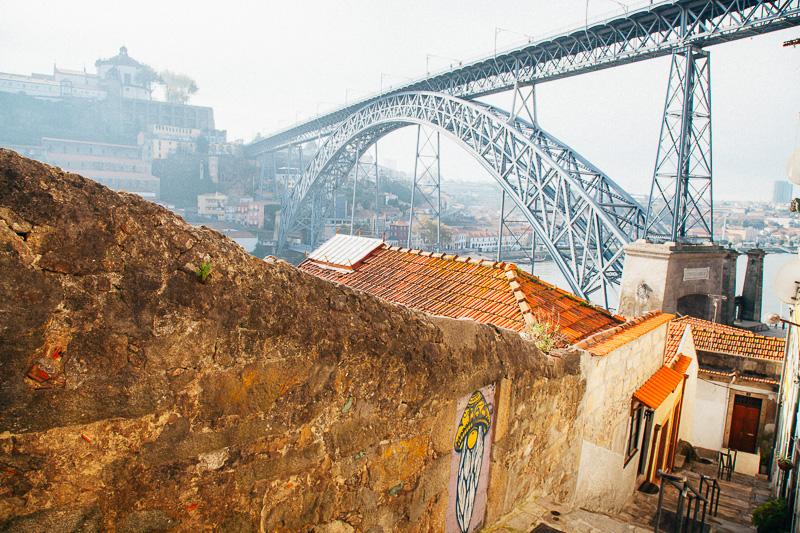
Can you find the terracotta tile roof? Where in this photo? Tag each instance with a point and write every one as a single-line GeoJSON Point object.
{"type": "Point", "coordinates": [461, 287]}
{"type": "Point", "coordinates": [738, 375]}
{"type": "Point", "coordinates": [658, 387]}
{"type": "Point", "coordinates": [682, 364]}
{"type": "Point", "coordinates": [719, 338]}
{"type": "Point", "coordinates": [607, 341]}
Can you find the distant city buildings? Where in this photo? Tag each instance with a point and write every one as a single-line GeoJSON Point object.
{"type": "Point", "coordinates": [166, 140]}
{"type": "Point", "coordinates": [120, 167]}
{"type": "Point", "coordinates": [212, 205]}
{"type": "Point", "coordinates": [762, 224]}
{"type": "Point", "coordinates": [242, 212]}
{"type": "Point", "coordinates": [483, 241]}
{"type": "Point", "coordinates": [782, 192]}
{"type": "Point", "coordinates": [109, 125]}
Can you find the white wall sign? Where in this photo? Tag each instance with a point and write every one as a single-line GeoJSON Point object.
{"type": "Point", "coordinates": [693, 274]}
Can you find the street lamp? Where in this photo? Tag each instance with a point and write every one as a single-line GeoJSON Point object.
{"type": "Point", "coordinates": [387, 75]}
{"type": "Point", "coordinates": [498, 30]}
{"type": "Point", "coordinates": [428, 61]}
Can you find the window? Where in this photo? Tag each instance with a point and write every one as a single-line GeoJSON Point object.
{"type": "Point", "coordinates": [634, 432]}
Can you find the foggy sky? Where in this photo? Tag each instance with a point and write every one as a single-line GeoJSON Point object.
{"type": "Point", "coordinates": [262, 65]}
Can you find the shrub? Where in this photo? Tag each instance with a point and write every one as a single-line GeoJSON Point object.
{"type": "Point", "coordinates": [546, 335]}
{"type": "Point", "coordinates": [772, 517]}
{"type": "Point", "coordinates": [203, 272]}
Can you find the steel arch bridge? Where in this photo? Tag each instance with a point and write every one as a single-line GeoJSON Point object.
{"type": "Point", "coordinates": [580, 214]}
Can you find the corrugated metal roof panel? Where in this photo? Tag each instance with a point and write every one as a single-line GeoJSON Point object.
{"type": "Point", "coordinates": [344, 251]}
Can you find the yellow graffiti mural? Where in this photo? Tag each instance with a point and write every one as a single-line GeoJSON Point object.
{"type": "Point", "coordinates": [476, 415]}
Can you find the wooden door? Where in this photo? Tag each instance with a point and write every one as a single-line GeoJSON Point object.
{"type": "Point", "coordinates": [744, 424]}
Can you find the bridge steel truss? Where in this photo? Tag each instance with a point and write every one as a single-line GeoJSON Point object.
{"type": "Point", "coordinates": [681, 204]}
{"type": "Point", "coordinates": [577, 212]}
{"type": "Point", "coordinates": [652, 31]}
{"type": "Point", "coordinates": [581, 216]}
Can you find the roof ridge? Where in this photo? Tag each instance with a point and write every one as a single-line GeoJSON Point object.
{"type": "Point", "coordinates": [568, 294]}
{"type": "Point", "coordinates": [600, 336]}
{"type": "Point", "coordinates": [455, 258]}
{"type": "Point", "coordinates": [519, 295]}
{"type": "Point", "coordinates": [605, 341]}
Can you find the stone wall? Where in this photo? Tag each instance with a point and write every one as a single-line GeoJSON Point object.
{"type": "Point", "coordinates": [134, 397]}
{"type": "Point", "coordinates": [605, 482]}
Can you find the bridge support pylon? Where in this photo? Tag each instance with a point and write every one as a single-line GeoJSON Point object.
{"type": "Point", "coordinates": [680, 208]}
{"type": "Point", "coordinates": [514, 231]}
{"type": "Point", "coordinates": [426, 191]}
{"type": "Point", "coordinates": [366, 169]}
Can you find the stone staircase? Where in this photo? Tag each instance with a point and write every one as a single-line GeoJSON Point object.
{"type": "Point", "coordinates": [738, 498]}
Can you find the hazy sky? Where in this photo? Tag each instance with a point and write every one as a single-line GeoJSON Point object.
{"type": "Point", "coordinates": [262, 65]}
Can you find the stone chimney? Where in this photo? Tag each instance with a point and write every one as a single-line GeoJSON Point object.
{"type": "Point", "coordinates": [753, 285]}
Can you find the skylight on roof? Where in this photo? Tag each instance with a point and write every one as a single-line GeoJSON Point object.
{"type": "Point", "coordinates": [344, 251]}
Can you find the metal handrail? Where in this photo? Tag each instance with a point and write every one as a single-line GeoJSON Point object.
{"type": "Point", "coordinates": [727, 463]}
{"type": "Point", "coordinates": [712, 487]}
{"type": "Point", "coordinates": [686, 494]}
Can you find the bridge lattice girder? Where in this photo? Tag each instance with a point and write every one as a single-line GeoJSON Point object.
{"type": "Point", "coordinates": [578, 212]}
{"type": "Point", "coordinates": [648, 32]}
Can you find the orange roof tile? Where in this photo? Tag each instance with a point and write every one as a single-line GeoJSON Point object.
{"type": "Point", "coordinates": [658, 387]}
{"type": "Point", "coordinates": [478, 289]}
{"type": "Point", "coordinates": [682, 364]}
{"type": "Point", "coordinates": [719, 338]}
{"type": "Point", "coordinates": [739, 375]}
{"type": "Point", "coordinates": [609, 340]}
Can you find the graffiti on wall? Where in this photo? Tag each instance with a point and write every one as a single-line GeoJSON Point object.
{"type": "Point", "coordinates": [469, 466]}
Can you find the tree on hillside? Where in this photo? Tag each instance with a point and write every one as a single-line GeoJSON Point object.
{"type": "Point", "coordinates": [179, 87]}
{"type": "Point", "coordinates": [427, 231]}
{"type": "Point", "coordinates": [147, 76]}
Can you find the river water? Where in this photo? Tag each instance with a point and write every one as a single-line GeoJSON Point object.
{"type": "Point", "coordinates": [548, 271]}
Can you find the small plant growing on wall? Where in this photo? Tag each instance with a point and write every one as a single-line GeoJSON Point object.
{"type": "Point", "coordinates": [545, 335]}
{"type": "Point", "coordinates": [203, 272]}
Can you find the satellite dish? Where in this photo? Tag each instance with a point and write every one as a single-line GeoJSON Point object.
{"type": "Point", "coordinates": [793, 167]}
{"type": "Point", "coordinates": [787, 282]}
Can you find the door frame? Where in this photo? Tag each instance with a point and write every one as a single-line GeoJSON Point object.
{"type": "Point", "coordinates": [764, 396]}
{"type": "Point", "coordinates": [729, 423]}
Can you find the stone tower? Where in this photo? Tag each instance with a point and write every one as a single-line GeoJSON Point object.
{"type": "Point", "coordinates": [691, 279]}
{"type": "Point", "coordinates": [753, 283]}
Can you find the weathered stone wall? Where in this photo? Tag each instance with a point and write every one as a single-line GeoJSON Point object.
{"type": "Point", "coordinates": [605, 482]}
{"type": "Point", "coordinates": [263, 399]}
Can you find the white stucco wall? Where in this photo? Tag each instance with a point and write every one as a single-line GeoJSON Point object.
{"type": "Point", "coordinates": [688, 416]}
{"type": "Point", "coordinates": [711, 404]}
{"type": "Point", "coordinates": [604, 481]}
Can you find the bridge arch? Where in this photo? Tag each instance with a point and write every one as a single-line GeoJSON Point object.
{"type": "Point", "coordinates": [582, 217]}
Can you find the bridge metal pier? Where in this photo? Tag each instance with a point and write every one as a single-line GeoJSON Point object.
{"type": "Point", "coordinates": [681, 191]}
{"type": "Point", "coordinates": [426, 190]}
{"type": "Point", "coordinates": [368, 170]}
{"type": "Point", "coordinates": [523, 106]}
